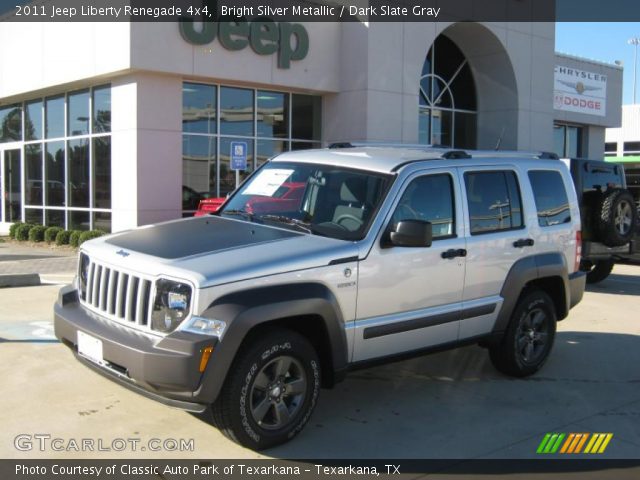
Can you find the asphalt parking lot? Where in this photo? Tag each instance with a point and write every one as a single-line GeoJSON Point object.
{"type": "Point", "coordinates": [447, 405]}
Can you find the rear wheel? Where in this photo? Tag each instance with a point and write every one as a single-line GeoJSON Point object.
{"type": "Point", "coordinates": [600, 270]}
{"type": "Point", "coordinates": [271, 391]}
{"type": "Point", "coordinates": [529, 337]}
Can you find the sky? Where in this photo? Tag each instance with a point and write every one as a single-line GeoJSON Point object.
{"type": "Point", "coordinates": [605, 42]}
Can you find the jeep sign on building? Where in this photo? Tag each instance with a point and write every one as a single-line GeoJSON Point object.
{"type": "Point", "coordinates": [114, 125]}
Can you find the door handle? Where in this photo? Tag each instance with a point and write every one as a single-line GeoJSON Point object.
{"type": "Point", "coordinates": [454, 252]}
{"type": "Point", "coordinates": [523, 242]}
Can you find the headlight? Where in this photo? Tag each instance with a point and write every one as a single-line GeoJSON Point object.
{"type": "Point", "coordinates": [205, 326]}
{"type": "Point", "coordinates": [83, 275]}
{"type": "Point", "coordinates": [171, 305]}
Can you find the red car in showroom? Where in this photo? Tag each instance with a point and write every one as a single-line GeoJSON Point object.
{"type": "Point", "coordinates": [287, 197]}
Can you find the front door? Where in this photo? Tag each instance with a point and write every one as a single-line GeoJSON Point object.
{"type": "Point", "coordinates": [11, 182]}
{"type": "Point", "coordinates": [409, 298]}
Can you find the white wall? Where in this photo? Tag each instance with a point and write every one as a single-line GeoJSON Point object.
{"type": "Point", "coordinates": [44, 56]}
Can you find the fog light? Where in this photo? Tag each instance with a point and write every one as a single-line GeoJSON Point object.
{"type": "Point", "coordinates": [204, 326]}
{"type": "Point", "coordinates": [206, 354]}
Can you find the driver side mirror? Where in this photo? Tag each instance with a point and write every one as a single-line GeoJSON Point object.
{"type": "Point", "coordinates": [410, 233]}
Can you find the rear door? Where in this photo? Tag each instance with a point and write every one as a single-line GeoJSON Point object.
{"type": "Point", "coordinates": [497, 238]}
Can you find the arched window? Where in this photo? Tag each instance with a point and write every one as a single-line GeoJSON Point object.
{"type": "Point", "coordinates": [447, 97]}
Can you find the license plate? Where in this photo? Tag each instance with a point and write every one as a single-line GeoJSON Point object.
{"type": "Point", "coordinates": [90, 347]}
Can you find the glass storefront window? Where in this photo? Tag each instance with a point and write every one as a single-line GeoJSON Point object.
{"type": "Point", "coordinates": [273, 114]}
{"type": "Point", "coordinates": [102, 172]}
{"type": "Point", "coordinates": [33, 174]}
{"type": "Point", "coordinates": [269, 148]}
{"type": "Point", "coordinates": [78, 168]}
{"type": "Point", "coordinates": [102, 109]}
{"type": "Point", "coordinates": [54, 218]}
{"type": "Point", "coordinates": [306, 117]}
{"type": "Point", "coordinates": [54, 117]}
{"type": "Point", "coordinates": [270, 122]}
{"type": "Point", "coordinates": [10, 123]}
{"type": "Point", "coordinates": [199, 108]}
{"type": "Point", "coordinates": [78, 220]}
{"type": "Point", "coordinates": [54, 174]}
{"type": "Point", "coordinates": [102, 221]}
{"type": "Point", "coordinates": [447, 97]}
{"type": "Point", "coordinates": [567, 140]}
{"type": "Point", "coordinates": [33, 215]}
{"type": "Point", "coordinates": [61, 171]}
{"type": "Point", "coordinates": [198, 180]}
{"type": "Point", "coordinates": [33, 121]}
{"type": "Point", "coordinates": [78, 113]}
{"type": "Point", "coordinates": [236, 111]}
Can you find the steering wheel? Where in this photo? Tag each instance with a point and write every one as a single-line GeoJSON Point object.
{"type": "Point", "coordinates": [348, 218]}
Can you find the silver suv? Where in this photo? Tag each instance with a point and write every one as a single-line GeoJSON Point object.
{"type": "Point", "coordinates": [373, 254]}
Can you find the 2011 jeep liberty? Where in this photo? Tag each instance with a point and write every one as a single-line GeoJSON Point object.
{"type": "Point", "coordinates": [385, 252]}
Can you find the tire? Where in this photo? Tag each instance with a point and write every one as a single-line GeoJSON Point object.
{"type": "Point", "coordinates": [599, 271]}
{"type": "Point", "coordinates": [529, 337]}
{"type": "Point", "coordinates": [270, 392]}
{"type": "Point", "coordinates": [617, 218]}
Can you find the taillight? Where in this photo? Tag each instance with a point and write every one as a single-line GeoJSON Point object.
{"type": "Point", "coordinates": [576, 265]}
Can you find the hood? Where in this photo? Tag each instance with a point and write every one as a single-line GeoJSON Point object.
{"type": "Point", "coordinates": [214, 250]}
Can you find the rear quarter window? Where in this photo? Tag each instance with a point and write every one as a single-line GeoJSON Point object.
{"type": "Point", "coordinates": [550, 194]}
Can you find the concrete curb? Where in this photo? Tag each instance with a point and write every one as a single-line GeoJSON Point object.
{"type": "Point", "coordinates": [19, 280]}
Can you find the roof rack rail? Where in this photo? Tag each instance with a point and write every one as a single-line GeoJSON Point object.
{"type": "Point", "coordinates": [383, 144]}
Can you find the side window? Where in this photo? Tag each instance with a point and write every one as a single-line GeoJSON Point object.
{"type": "Point", "coordinates": [550, 197]}
{"type": "Point", "coordinates": [494, 201]}
{"type": "Point", "coordinates": [429, 198]}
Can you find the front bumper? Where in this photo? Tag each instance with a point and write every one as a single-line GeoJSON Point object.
{"type": "Point", "coordinates": [165, 369]}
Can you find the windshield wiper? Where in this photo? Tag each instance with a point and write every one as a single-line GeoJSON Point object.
{"type": "Point", "coordinates": [304, 226]}
{"type": "Point", "coordinates": [243, 213]}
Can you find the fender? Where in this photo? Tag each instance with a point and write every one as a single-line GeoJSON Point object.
{"type": "Point", "coordinates": [524, 271]}
{"type": "Point", "coordinates": [247, 309]}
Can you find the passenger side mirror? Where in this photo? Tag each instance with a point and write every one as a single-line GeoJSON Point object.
{"type": "Point", "coordinates": [411, 233]}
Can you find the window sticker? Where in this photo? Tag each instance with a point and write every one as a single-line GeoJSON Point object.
{"type": "Point", "coordinates": [267, 182]}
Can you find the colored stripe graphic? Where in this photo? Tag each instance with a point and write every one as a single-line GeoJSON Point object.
{"type": "Point", "coordinates": [552, 442]}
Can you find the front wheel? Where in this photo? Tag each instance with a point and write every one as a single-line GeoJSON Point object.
{"type": "Point", "coordinates": [271, 391]}
{"type": "Point", "coordinates": [529, 337]}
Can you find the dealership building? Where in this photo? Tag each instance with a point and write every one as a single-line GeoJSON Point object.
{"type": "Point", "coordinates": [117, 125]}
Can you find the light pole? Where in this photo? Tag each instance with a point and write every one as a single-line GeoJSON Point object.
{"type": "Point", "coordinates": [635, 41]}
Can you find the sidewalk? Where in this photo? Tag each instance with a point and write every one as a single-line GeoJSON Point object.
{"type": "Point", "coordinates": [24, 265]}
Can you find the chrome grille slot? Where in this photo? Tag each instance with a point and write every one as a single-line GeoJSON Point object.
{"type": "Point", "coordinates": [119, 296]}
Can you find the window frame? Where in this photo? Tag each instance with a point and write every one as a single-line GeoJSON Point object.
{"type": "Point", "coordinates": [506, 186]}
{"type": "Point", "coordinates": [535, 202]}
{"type": "Point", "coordinates": [453, 202]}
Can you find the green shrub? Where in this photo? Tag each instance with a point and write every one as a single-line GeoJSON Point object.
{"type": "Point", "coordinates": [75, 238]}
{"type": "Point", "coordinates": [36, 233]}
{"type": "Point", "coordinates": [22, 232]}
{"type": "Point", "coordinates": [89, 235]}
{"type": "Point", "coordinates": [13, 228]}
{"type": "Point", "coordinates": [62, 238]}
{"type": "Point", "coordinates": [51, 233]}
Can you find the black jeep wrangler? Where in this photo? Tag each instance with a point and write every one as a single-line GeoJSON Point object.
{"type": "Point", "coordinates": [610, 227]}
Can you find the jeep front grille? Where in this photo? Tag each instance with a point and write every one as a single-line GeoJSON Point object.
{"type": "Point", "coordinates": [119, 296]}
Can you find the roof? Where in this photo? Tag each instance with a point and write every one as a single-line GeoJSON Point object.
{"type": "Point", "coordinates": [386, 159]}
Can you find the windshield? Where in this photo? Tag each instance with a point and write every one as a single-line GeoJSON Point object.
{"type": "Point", "coordinates": [323, 200]}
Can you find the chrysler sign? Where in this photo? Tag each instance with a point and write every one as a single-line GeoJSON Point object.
{"type": "Point", "coordinates": [579, 91]}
